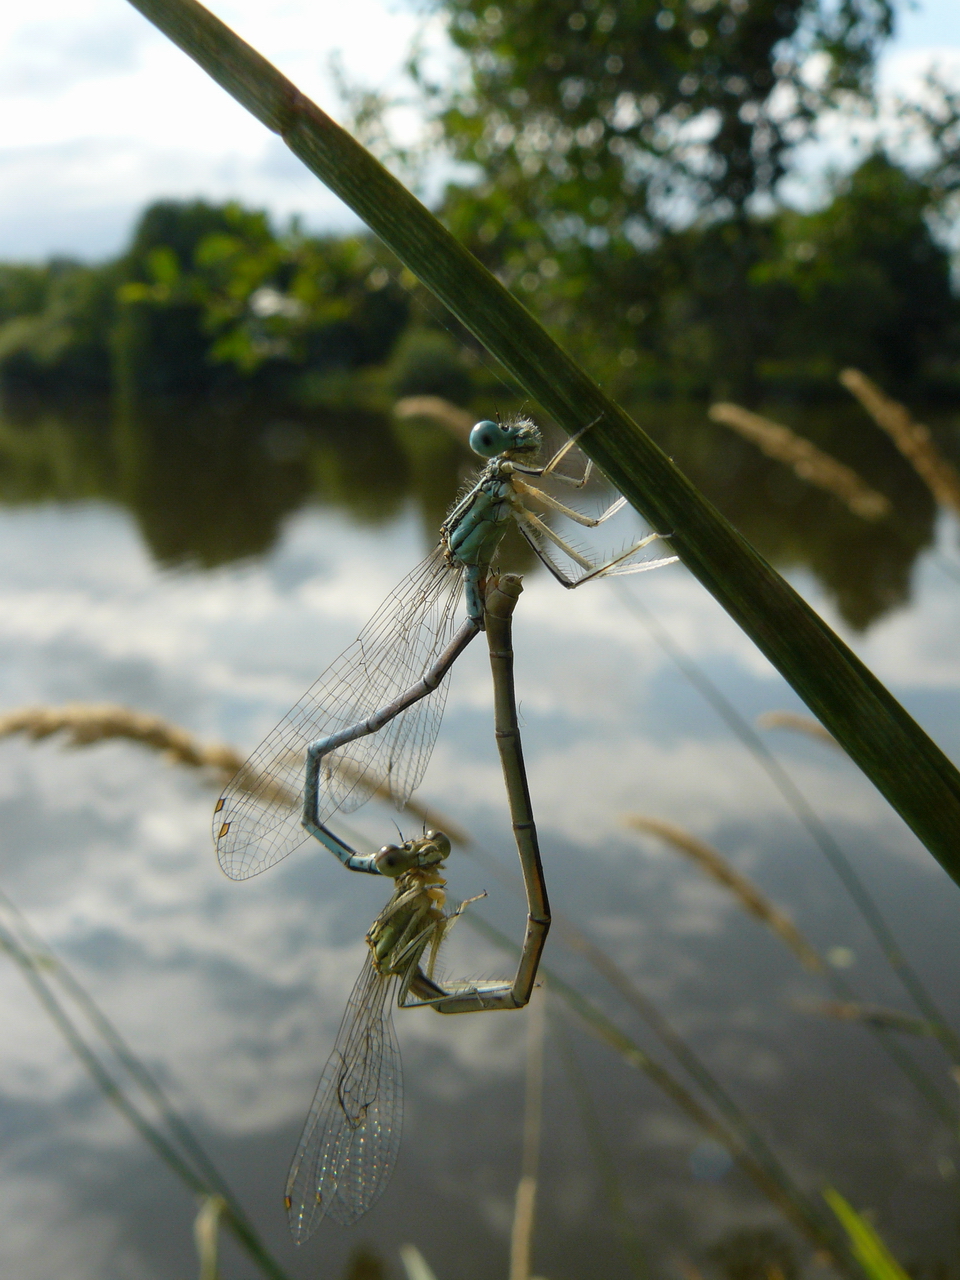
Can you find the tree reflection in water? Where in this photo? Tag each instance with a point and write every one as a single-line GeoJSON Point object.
{"type": "Point", "coordinates": [211, 479]}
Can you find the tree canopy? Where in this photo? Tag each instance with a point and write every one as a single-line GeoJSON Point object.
{"type": "Point", "coordinates": [626, 161]}
{"type": "Point", "coordinates": [204, 293]}
{"type": "Point", "coordinates": [603, 119]}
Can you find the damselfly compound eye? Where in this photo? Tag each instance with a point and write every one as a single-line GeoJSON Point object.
{"type": "Point", "coordinates": [488, 439]}
{"type": "Point", "coordinates": [393, 860]}
{"type": "Point", "coordinates": [441, 840]}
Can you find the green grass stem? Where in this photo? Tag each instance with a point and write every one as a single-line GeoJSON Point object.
{"type": "Point", "coordinates": [573, 937]}
{"type": "Point", "coordinates": [30, 942]}
{"type": "Point", "coordinates": [599, 1148]}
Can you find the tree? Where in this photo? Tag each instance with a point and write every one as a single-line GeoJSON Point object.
{"type": "Point", "coordinates": [213, 292]}
{"type": "Point", "coordinates": [859, 282]}
{"type": "Point", "coordinates": [599, 120]}
{"type": "Point", "coordinates": [863, 281]}
{"type": "Point", "coordinates": [54, 322]}
{"type": "Point", "coordinates": [629, 153]}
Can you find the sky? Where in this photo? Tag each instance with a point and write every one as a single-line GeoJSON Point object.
{"type": "Point", "coordinates": [100, 114]}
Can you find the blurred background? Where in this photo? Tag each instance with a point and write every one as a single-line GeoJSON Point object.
{"type": "Point", "coordinates": [230, 423]}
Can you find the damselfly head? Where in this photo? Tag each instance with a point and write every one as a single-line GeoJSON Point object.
{"type": "Point", "coordinates": [490, 439]}
{"type": "Point", "coordinates": [429, 851]}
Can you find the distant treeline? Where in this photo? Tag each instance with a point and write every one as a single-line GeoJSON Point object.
{"type": "Point", "coordinates": [213, 296]}
{"type": "Point", "coordinates": [204, 295]}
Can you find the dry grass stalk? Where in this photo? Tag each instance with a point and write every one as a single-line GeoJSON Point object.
{"type": "Point", "coordinates": [802, 724]}
{"type": "Point", "coordinates": [525, 1201]}
{"type": "Point", "coordinates": [746, 893]}
{"type": "Point", "coordinates": [913, 439]}
{"type": "Point", "coordinates": [87, 723]}
{"type": "Point", "coordinates": [435, 409]}
{"type": "Point", "coordinates": [874, 1015]}
{"type": "Point", "coordinates": [808, 462]}
{"type": "Point", "coordinates": [414, 1263]}
{"type": "Point", "coordinates": [206, 1234]}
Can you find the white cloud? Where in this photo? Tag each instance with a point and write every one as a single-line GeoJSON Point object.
{"type": "Point", "coordinates": [40, 60]}
{"type": "Point", "coordinates": [99, 114]}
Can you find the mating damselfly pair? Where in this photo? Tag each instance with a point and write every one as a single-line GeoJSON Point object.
{"type": "Point", "coordinates": [369, 725]}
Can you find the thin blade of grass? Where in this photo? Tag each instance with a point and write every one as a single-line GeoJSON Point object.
{"type": "Point", "coordinates": [379, 789]}
{"type": "Point", "coordinates": [828, 846]}
{"type": "Point", "coordinates": [16, 928]}
{"type": "Point", "coordinates": [525, 1201]}
{"type": "Point", "coordinates": [415, 1264]}
{"type": "Point", "coordinates": [773, 1182]}
{"type": "Point", "coordinates": [435, 409]}
{"type": "Point", "coordinates": [599, 1149]}
{"type": "Point", "coordinates": [86, 723]}
{"type": "Point", "coordinates": [876, 1015]}
{"type": "Point", "coordinates": [714, 865]}
{"type": "Point", "coordinates": [574, 938]}
{"type": "Point", "coordinates": [182, 1155]}
{"type": "Point", "coordinates": [906, 766]}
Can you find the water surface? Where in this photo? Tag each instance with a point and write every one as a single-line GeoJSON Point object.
{"type": "Point", "coordinates": [204, 563]}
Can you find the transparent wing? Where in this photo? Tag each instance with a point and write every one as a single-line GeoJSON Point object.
{"type": "Point", "coordinates": [350, 1140]}
{"type": "Point", "coordinates": [257, 819]}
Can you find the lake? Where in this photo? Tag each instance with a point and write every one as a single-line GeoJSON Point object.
{"type": "Point", "coordinates": [204, 562]}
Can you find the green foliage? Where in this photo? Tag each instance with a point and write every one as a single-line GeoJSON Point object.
{"type": "Point", "coordinates": [621, 150]}
{"type": "Point", "coordinates": [863, 282]}
{"type": "Point", "coordinates": [211, 296]}
{"type": "Point", "coordinates": [593, 117]}
{"type": "Point", "coordinates": [429, 362]}
{"type": "Point", "coordinates": [734, 306]}
{"type": "Point", "coordinates": [205, 295]}
{"type": "Point", "coordinates": [23, 290]}
{"type": "Point", "coordinates": [211, 287]}
{"type": "Point", "coordinates": [364, 1264]}
{"type": "Point", "coordinates": [54, 320]}
{"type": "Point", "coordinates": [755, 1253]}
